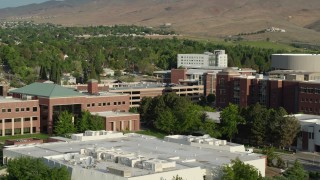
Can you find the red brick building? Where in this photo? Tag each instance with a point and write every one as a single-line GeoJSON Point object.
{"type": "Point", "coordinates": [293, 95]}
{"type": "Point", "coordinates": [42, 102]}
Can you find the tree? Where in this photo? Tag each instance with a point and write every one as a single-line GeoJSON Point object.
{"type": "Point", "coordinates": [296, 172]}
{"type": "Point", "coordinates": [35, 169]}
{"type": "Point", "coordinates": [240, 171]}
{"type": "Point", "coordinates": [96, 123]}
{"type": "Point", "coordinates": [211, 98]}
{"type": "Point", "coordinates": [290, 127]}
{"type": "Point", "coordinates": [271, 155]}
{"type": "Point", "coordinates": [229, 119]}
{"type": "Point", "coordinates": [83, 121]}
{"type": "Point", "coordinates": [87, 121]}
{"type": "Point", "coordinates": [167, 122]}
{"type": "Point", "coordinates": [211, 128]}
{"type": "Point", "coordinates": [64, 124]}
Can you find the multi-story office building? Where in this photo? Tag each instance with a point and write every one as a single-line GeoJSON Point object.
{"type": "Point", "coordinates": [218, 59]}
{"type": "Point", "coordinates": [35, 107]}
{"type": "Point", "coordinates": [295, 95]}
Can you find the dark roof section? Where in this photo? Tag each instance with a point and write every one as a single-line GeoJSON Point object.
{"type": "Point", "coordinates": [46, 90]}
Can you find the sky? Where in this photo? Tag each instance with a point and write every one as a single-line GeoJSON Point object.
{"type": "Point", "coordinates": [16, 3]}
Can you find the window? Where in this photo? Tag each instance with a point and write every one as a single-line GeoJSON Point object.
{"type": "Point", "coordinates": [34, 118]}
{"type": "Point", "coordinates": [8, 121]}
{"type": "Point", "coordinates": [88, 105]}
{"type": "Point", "coordinates": [99, 104]}
{"type": "Point", "coordinates": [119, 103]}
{"type": "Point", "coordinates": [108, 104]}
{"type": "Point", "coordinates": [22, 109]}
{"type": "Point", "coordinates": [103, 104]}
{"type": "Point", "coordinates": [26, 119]}
{"type": "Point", "coordinates": [92, 104]}
{"type": "Point", "coordinates": [115, 103]}
{"type": "Point", "coordinates": [123, 102]}
{"type": "Point", "coordinates": [3, 110]}
{"type": "Point", "coordinates": [9, 110]}
{"type": "Point", "coordinates": [27, 109]}
{"type": "Point", "coordinates": [17, 109]}
{"type": "Point", "coordinates": [34, 109]}
{"type": "Point", "coordinates": [17, 120]}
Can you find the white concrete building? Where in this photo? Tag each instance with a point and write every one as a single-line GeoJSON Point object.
{"type": "Point", "coordinates": [309, 137]}
{"type": "Point", "coordinates": [208, 60]}
{"type": "Point", "coordinates": [135, 157]}
{"type": "Point", "coordinates": [305, 62]}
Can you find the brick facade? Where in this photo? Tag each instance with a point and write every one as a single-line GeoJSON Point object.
{"type": "Point", "coordinates": [178, 74]}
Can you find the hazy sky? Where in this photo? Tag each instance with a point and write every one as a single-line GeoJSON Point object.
{"type": "Point", "coordinates": [16, 3]}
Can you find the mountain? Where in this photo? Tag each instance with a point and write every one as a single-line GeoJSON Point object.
{"type": "Point", "coordinates": [197, 18]}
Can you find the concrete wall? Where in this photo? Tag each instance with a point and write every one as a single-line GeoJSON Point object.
{"type": "Point", "coordinates": [260, 164]}
{"type": "Point", "coordinates": [307, 62]}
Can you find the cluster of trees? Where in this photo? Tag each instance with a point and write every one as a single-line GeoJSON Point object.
{"type": "Point", "coordinates": [259, 126]}
{"type": "Point", "coordinates": [33, 51]}
{"type": "Point", "coordinates": [66, 124]}
{"type": "Point", "coordinates": [31, 168]}
{"type": "Point", "coordinates": [239, 170]}
{"type": "Point", "coordinates": [173, 114]}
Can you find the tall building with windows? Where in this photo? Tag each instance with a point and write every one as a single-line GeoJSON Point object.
{"type": "Point", "coordinates": [216, 60]}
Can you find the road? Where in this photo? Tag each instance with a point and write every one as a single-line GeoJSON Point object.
{"type": "Point", "coordinates": [310, 161]}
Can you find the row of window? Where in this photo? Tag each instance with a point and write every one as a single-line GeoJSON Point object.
{"type": "Point", "coordinates": [106, 104]}
{"type": "Point", "coordinates": [307, 109]}
{"type": "Point", "coordinates": [26, 130]}
{"type": "Point", "coordinates": [19, 120]}
{"type": "Point", "coordinates": [310, 100]}
{"type": "Point", "coordinates": [192, 57]}
{"type": "Point", "coordinates": [192, 63]}
{"type": "Point", "coordinates": [27, 109]}
{"type": "Point", "coordinates": [310, 90]}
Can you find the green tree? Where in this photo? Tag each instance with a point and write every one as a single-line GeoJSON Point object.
{"type": "Point", "coordinates": [83, 122]}
{"type": "Point", "coordinates": [296, 172]}
{"type": "Point", "coordinates": [167, 122]}
{"type": "Point", "coordinates": [211, 98]}
{"type": "Point", "coordinates": [87, 121]}
{"type": "Point", "coordinates": [34, 169]}
{"type": "Point", "coordinates": [240, 171]}
{"type": "Point", "coordinates": [64, 124]}
{"type": "Point", "coordinates": [271, 155]}
{"type": "Point", "coordinates": [229, 119]}
{"type": "Point", "coordinates": [96, 123]}
{"type": "Point", "coordinates": [211, 128]}
{"type": "Point", "coordinates": [290, 127]}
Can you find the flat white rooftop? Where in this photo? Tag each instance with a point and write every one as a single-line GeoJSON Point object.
{"type": "Point", "coordinates": [140, 144]}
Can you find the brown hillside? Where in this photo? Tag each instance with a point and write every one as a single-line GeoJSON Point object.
{"type": "Point", "coordinates": [214, 18]}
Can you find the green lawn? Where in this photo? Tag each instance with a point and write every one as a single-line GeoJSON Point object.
{"type": "Point", "coordinates": [40, 136]}
{"type": "Point", "coordinates": [154, 133]}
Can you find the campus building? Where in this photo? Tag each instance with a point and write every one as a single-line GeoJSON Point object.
{"type": "Point", "coordinates": [218, 59]}
{"type": "Point", "coordinates": [292, 93]}
{"type": "Point", "coordinates": [309, 136]}
{"type": "Point", "coordinates": [141, 90]}
{"type": "Point", "coordinates": [108, 155]}
{"type": "Point", "coordinates": [306, 62]}
{"type": "Point", "coordinates": [35, 107]}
